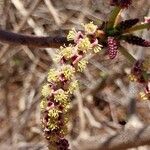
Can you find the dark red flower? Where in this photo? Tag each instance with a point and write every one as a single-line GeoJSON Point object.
{"type": "Point", "coordinates": [62, 144]}
{"type": "Point", "coordinates": [123, 25]}
{"type": "Point", "coordinates": [112, 47]}
{"type": "Point", "coordinates": [135, 40]}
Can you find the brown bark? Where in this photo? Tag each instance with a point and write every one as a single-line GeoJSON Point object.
{"type": "Point", "coordinates": [33, 41]}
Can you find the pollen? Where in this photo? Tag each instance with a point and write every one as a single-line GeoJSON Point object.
{"type": "Point", "coordinates": [54, 113]}
{"type": "Point", "coordinates": [52, 125]}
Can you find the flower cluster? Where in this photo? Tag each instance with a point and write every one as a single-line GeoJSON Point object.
{"type": "Point", "coordinates": [139, 73]}
{"type": "Point", "coordinates": [61, 84]}
{"type": "Point", "coordinates": [126, 24]}
{"type": "Point", "coordinates": [135, 40]}
{"type": "Point", "coordinates": [119, 33]}
{"type": "Point", "coordinates": [121, 3]}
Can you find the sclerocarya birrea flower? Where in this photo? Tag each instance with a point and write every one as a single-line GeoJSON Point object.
{"type": "Point", "coordinates": [121, 3]}
{"type": "Point", "coordinates": [90, 28]}
{"type": "Point", "coordinates": [138, 70]}
{"type": "Point", "coordinates": [112, 47]}
{"type": "Point", "coordinates": [55, 105]}
{"type": "Point", "coordinates": [61, 84]}
{"type": "Point", "coordinates": [123, 25]}
{"type": "Point", "coordinates": [135, 40]}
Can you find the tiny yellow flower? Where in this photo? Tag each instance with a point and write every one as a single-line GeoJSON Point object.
{"type": "Point", "coordinates": [66, 107]}
{"type": "Point", "coordinates": [46, 90]}
{"type": "Point", "coordinates": [132, 78]}
{"type": "Point", "coordinates": [53, 75]}
{"type": "Point", "coordinates": [73, 86]}
{"type": "Point", "coordinates": [81, 65]}
{"type": "Point", "coordinates": [72, 34]}
{"type": "Point", "coordinates": [66, 52]}
{"type": "Point", "coordinates": [84, 45]}
{"type": "Point", "coordinates": [90, 28]}
{"type": "Point", "coordinates": [43, 104]}
{"type": "Point", "coordinates": [61, 96]}
{"type": "Point", "coordinates": [97, 48]}
{"type": "Point", "coordinates": [54, 113]}
{"type": "Point", "coordinates": [52, 125]}
{"type": "Point", "coordinates": [68, 71]}
{"type": "Point", "coordinates": [143, 96]}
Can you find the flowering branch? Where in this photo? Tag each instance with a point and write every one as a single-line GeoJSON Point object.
{"type": "Point", "coordinates": [61, 83]}
{"type": "Point", "coordinates": [33, 41]}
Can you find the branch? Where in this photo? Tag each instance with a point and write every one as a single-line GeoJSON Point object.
{"type": "Point", "coordinates": [128, 138]}
{"type": "Point", "coordinates": [33, 41]}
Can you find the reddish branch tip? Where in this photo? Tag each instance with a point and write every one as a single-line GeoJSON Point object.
{"type": "Point", "coordinates": [121, 3]}
{"type": "Point", "coordinates": [126, 24]}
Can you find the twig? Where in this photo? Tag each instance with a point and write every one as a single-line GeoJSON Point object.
{"type": "Point", "coordinates": [34, 41]}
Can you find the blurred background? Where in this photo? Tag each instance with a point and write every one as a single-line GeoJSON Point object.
{"type": "Point", "coordinates": [102, 105]}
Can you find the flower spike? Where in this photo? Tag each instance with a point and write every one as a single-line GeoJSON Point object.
{"type": "Point", "coordinates": [123, 25]}
{"type": "Point", "coordinates": [112, 47]}
{"type": "Point", "coordinates": [135, 40]}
